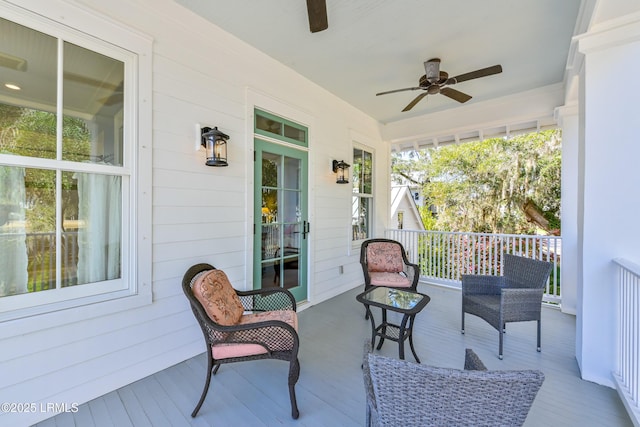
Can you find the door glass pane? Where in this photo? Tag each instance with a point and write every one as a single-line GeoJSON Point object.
{"type": "Point", "coordinates": [270, 241]}
{"type": "Point", "coordinates": [93, 105]}
{"type": "Point", "coordinates": [269, 206]}
{"type": "Point", "coordinates": [270, 274]}
{"type": "Point", "coordinates": [281, 217]}
{"type": "Point", "coordinates": [270, 167]}
{"type": "Point", "coordinates": [291, 173]}
{"type": "Point", "coordinates": [288, 276]}
{"type": "Point", "coordinates": [291, 206]}
{"type": "Point", "coordinates": [271, 222]}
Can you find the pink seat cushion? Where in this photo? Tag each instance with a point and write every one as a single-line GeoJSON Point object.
{"type": "Point", "coordinates": [384, 257]}
{"type": "Point", "coordinates": [224, 351]}
{"type": "Point", "coordinates": [389, 279]}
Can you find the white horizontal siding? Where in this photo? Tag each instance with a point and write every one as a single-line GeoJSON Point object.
{"type": "Point", "coordinates": [200, 214]}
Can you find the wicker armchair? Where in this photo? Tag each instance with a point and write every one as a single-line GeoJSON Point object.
{"type": "Point", "coordinates": [403, 393]}
{"type": "Point", "coordinates": [384, 263]}
{"type": "Point", "coordinates": [516, 296]}
{"type": "Point", "coordinates": [252, 325]}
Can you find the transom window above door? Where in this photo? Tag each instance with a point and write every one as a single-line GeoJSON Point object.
{"type": "Point", "coordinates": [271, 125]}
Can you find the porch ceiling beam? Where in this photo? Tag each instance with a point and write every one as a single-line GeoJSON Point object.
{"type": "Point", "coordinates": [530, 111]}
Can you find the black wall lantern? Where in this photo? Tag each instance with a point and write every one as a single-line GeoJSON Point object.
{"type": "Point", "coordinates": [341, 169]}
{"type": "Point", "coordinates": [215, 143]}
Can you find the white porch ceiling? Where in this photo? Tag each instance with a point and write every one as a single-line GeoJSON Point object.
{"type": "Point", "coordinates": [377, 45]}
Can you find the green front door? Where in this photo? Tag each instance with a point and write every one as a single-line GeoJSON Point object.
{"type": "Point", "coordinates": [281, 222]}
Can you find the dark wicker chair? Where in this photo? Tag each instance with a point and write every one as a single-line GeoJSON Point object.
{"type": "Point", "coordinates": [263, 337]}
{"type": "Point", "coordinates": [384, 263]}
{"type": "Point", "coordinates": [516, 296]}
{"type": "Point", "coordinates": [403, 393]}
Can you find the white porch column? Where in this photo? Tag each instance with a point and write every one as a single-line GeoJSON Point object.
{"type": "Point", "coordinates": [608, 220]}
{"type": "Point", "coordinates": [568, 121]}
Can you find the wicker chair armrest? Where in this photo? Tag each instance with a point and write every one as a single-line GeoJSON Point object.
{"type": "Point", "coordinates": [521, 296]}
{"type": "Point", "coordinates": [268, 299]}
{"type": "Point", "coordinates": [368, 386]}
{"type": "Point", "coordinates": [412, 271]}
{"type": "Point", "coordinates": [481, 284]}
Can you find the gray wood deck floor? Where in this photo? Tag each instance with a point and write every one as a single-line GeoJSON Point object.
{"type": "Point", "coordinates": [330, 390]}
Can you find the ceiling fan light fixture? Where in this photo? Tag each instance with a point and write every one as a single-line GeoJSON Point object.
{"type": "Point", "coordinates": [432, 70]}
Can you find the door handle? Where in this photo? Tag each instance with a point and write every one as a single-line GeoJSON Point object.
{"type": "Point", "coordinates": [306, 229]}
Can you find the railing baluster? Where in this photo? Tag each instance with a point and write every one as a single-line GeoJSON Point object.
{"type": "Point", "coordinates": [627, 373]}
{"type": "Point", "coordinates": [444, 256]}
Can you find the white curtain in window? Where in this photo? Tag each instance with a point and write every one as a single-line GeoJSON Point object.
{"type": "Point", "coordinates": [13, 248]}
{"type": "Point", "coordinates": [99, 235]}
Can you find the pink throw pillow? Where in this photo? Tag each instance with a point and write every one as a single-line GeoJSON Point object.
{"type": "Point", "coordinates": [384, 257]}
{"type": "Point", "coordinates": [218, 298]}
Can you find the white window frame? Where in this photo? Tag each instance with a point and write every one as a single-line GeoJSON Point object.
{"type": "Point", "coordinates": [400, 219]}
{"type": "Point", "coordinates": [23, 313]}
{"type": "Point", "coordinates": [371, 196]}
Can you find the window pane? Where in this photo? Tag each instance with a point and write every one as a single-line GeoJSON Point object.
{"type": "Point", "coordinates": [268, 125]}
{"type": "Point", "coordinates": [27, 109]}
{"type": "Point", "coordinates": [27, 230]}
{"type": "Point", "coordinates": [367, 164]}
{"type": "Point", "coordinates": [93, 106]}
{"type": "Point", "coordinates": [13, 262]}
{"type": "Point", "coordinates": [357, 170]}
{"type": "Point", "coordinates": [361, 217]}
{"type": "Point", "coordinates": [294, 133]}
{"type": "Point", "coordinates": [99, 224]}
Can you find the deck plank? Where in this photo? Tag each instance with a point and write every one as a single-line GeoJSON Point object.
{"type": "Point", "coordinates": [330, 390]}
{"type": "Point", "coordinates": [116, 410]}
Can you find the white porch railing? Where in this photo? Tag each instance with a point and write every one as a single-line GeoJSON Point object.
{"type": "Point", "coordinates": [444, 256]}
{"type": "Point", "coordinates": [627, 375]}
{"type": "Point", "coordinates": [41, 256]}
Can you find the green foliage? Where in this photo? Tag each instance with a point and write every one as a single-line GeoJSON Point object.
{"type": "Point", "coordinates": [428, 219]}
{"type": "Point", "coordinates": [482, 186]}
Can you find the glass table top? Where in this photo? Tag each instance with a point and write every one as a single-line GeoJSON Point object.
{"type": "Point", "coordinates": [393, 297]}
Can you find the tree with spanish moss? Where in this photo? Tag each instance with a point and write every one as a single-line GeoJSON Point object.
{"type": "Point", "coordinates": [500, 185]}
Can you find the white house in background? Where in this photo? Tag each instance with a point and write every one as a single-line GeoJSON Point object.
{"type": "Point", "coordinates": [404, 209]}
{"type": "Point", "coordinates": [180, 72]}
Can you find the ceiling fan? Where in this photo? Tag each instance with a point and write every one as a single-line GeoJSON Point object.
{"type": "Point", "coordinates": [317, 11]}
{"type": "Point", "coordinates": [435, 81]}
